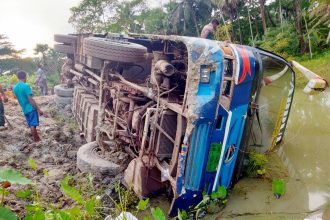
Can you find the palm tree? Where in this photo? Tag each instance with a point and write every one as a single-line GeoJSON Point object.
{"type": "Point", "coordinates": [190, 15]}
{"type": "Point", "coordinates": [126, 14]}
{"type": "Point", "coordinates": [228, 8]}
{"type": "Point", "coordinates": [263, 14]}
{"type": "Point", "coordinates": [298, 15]}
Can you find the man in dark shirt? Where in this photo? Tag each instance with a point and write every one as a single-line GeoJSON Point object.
{"type": "Point", "coordinates": [3, 98]}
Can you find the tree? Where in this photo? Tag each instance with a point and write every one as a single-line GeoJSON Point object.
{"type": "Point", "coordinates": [154, 21]}
{"type": "Point", "coordinates": [229, 9]}
{"type": "Point", "coordinates": [51, 60]}
{"type": "Point", "coordinates": [7, 49]}
{"type": "Point", "coordinates": [93, 15]}
{"type": "Point", "coordinates": [41, 48]}
{"type": "Point", "coordinates": [263, 14]}
{"type": "Point", "coordinates": [190, 16]}
{"type": "Point", "coordinates": [298, 15]}
{"type": "Point", "coordinates": [127, 15]}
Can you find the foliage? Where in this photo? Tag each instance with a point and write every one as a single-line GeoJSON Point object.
{"type": "Point", "coordinates": [278, 187]}
{"type": "Point", "coordinates": [158, 214]}
{"type": "Point", "coordinates": [190, 16]}
{"type": "Point", "coordinates": [107, 15]}
{"type": "Point", "coordinates": [182, 215]}
{"type": "Point", "coordinates": [244, 20]}
{"type": "Point", "coordinates": [8, 81]}
{"type": "Point", "coordinates": [154, 21]}
{"type": "Point", "coordinates": [222, 32]}
{"type": "Point", "coordinates": [71, 192]}
{"type": "Point", "coordinates": [284, 42]}
{"type": "Point", "coordinates": [7, 214]}
{"type": "Point", "coordinates": [317, 27]}
{"type": "Point", "coordinates": [92, 15]}
{"type": "Point", "coordinates": [257, 164]}
{"type": "Point", "coordinates": [142, 205]}
{"type": "Point", "coordinates": [32, 164]}
{"type": "Point", "coordinates": [7, 49]}
{"type": "Point", "coordinates": [84, 208]}
{"type": "Point", "coordinates": [221, 193]}
{"type": "Point", "coordinates": [52, 62]}
{"type": "Point", "coordinates": [13, 176]}
{"type": "Point", "coordinates": [23, 194]}
{"type": "Point", "coordinates": [9, 176]}
{"type": "Point", "coordinates": [127, 16]}
{"type": "Point", "coordinates": [14, 64]}
{"type": "Point", "coordinates": [213, 203]}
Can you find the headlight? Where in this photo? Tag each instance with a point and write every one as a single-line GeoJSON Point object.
{"type": "Point", "coordinates": [205, 74]}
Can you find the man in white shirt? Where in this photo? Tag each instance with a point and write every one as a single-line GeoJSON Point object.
{"type": "Point", "coordinates": [41, 80]}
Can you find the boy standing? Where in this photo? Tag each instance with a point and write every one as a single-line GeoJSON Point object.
{"type": "Point", "coordinates": [30, 108]}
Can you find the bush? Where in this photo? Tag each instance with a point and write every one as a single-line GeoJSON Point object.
{"type": "Point", "coordinates": [284, 43]}
{"type": "Point", "coordinates": [257, 164]}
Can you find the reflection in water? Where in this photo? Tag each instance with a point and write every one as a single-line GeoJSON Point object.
{"type": "Point", "coordinates": [309, 151]}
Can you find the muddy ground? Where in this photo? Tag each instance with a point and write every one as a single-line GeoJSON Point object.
{"type": "Point", "coordinates": [56, 152]}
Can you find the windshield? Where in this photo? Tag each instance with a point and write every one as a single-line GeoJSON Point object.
{"type": "Point", "coordinates": [274, 103]}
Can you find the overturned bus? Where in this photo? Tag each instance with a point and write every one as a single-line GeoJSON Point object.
{"type": "Point", "coordinates": [187, 110]}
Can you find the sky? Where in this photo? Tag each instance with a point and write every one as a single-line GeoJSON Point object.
{"type": "Point", "coordinates": [28, 22]}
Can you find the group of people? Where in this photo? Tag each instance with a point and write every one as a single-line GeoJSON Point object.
{"type": "Point", "coordinates": [24, 95]}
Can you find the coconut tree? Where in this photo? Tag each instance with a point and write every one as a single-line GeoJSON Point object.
{"type": "Point", "coordinates": [298, 15]}
{"type": "Point", "coordinates": [126, 15]}
{"type": "Point", "coordinates": [190, 15]}
{"type": "Point", "coordinates": [228, 8]}
{"type": "Point", "coordinates": [263, 14]}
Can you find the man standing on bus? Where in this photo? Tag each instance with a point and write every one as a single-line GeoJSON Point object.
{"type": "Point", "coordinates": [209, 29]}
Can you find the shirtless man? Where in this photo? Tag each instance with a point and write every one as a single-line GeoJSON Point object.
{"type": "Point", "coordinates": [208, 30]}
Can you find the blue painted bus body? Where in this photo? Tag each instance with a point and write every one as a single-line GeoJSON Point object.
{"type": "Point", "coordinates": [194, 179]}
